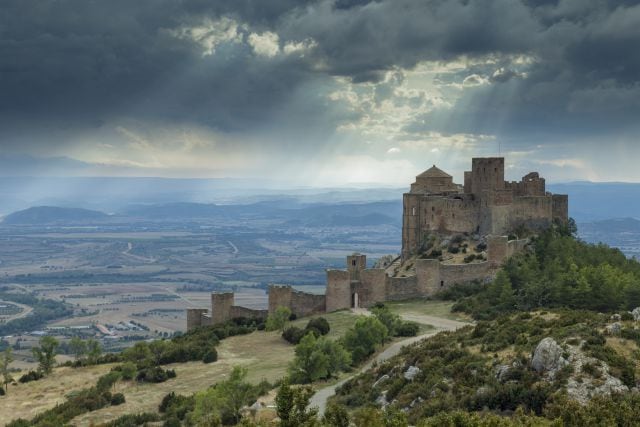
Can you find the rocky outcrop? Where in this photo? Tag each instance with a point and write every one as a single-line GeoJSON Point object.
{"type": "Point", "coordinates": [547, 357]}
{"type": "Point", "coordinates": [411, 373]}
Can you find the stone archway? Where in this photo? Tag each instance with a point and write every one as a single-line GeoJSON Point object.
{"type": "Point", "coordinates": [354, 300]}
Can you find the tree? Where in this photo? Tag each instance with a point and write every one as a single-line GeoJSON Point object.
{"type": "Point", "coordinates": [361, 339]}
{"type": "Point", "coordinates": [222, 402]}
{"type": "Point", "coordinates": [277, 320]}
{"type": "Point", "coordinates": [336, 415]}
{"type": "Point", "coordinates": [94, 351]}
{"type": "Point", "coordinates": [390, 320]}
{"type": "Point", "coordinates": [292, 404]}
{"type": "Point", "coordinates": [309, 364]}
{"type": "Point", "coordinates": [46, 354]}
{"type": "Point", "coordinates": [78, 347]}
{"type": "Point", "coordinates": [339, 358]}
{"type": "Point", "coordinates": [7, 358]}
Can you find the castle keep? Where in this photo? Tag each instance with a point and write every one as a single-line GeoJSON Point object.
{"type": "Point", "coordinates": [451, 234]}
{"type": "Point", "coordinates": [486, 204]}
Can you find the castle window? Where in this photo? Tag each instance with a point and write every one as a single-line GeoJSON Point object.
{"type": "Point", "coordinates": [353, 262]}
{"type": "Point", "coordinates": [441, 283]}
{"type": "Point", "coordinates": [413, 211]}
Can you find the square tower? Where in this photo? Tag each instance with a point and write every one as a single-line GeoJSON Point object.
{"type": "Point", "coordinates": [487, 174]}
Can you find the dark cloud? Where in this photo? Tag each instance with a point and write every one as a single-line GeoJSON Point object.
{"type": "Point", "coordinates": [85, 63]}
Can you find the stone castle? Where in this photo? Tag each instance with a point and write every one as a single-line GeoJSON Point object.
{"type": "Point", "coordinates": [486, 209]}
{"type": "Point", "coordinates": [485, 205]}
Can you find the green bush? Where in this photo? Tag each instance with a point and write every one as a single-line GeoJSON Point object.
{"type": "Point", "coordinates": [210, 356]}
{"type": "Point", "coordinates": [293, 334]}
{"type": "Point", "coordinates": [30, 376]}
{"type": "Point", "coordinates": [320, 324]}
{"type": "Point", "coordinates": [117, 399]}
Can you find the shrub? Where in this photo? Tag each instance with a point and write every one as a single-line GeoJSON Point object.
{"type": "Point", "coordinates": [320, 324]}
{"type": "Point", "coordinates": [210, 356]}
{"type": "Point", "coordinates": [407, 329]}
{"type": "Point", "coordinates": [133, 420]}
{"type": "Point", "coordinates": [626, 316]}
{"type": "Point", "coordinates": [293, 334]}
{"type": "Point", "coordinates": [155, 375]}
{"type": "Point", "coordinates": [30, 376]}
{"type": "Point", "coordinates": [117, 399]}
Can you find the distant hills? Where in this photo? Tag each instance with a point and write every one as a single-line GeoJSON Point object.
{"type": "Point", "coordinates": [53, 215]}
{"type": "Point", "coordinates": [285, 211]}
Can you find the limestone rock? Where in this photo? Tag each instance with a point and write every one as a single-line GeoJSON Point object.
{"type": "Point", "coordinates": [616, 317]}
{"type": "Point", "coordinates": [382, 400]}
{"type": "Point", "coordinates": [547, 357]}
{"type": "Point", "coordinates": [502, 372]}
{"type": "Point", "coordinates": [411, 373]}
{"type": "Point", "coordinates": [614, 328]}
{"type": "Point", "coordinates": [636, 313]}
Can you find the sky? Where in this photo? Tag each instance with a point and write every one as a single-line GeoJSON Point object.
{"type": "Point", "coordinates": [319, 93]}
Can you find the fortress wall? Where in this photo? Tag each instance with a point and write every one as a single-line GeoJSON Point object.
{"type": "Point", "coordinates": [451, 274]}
{"type": "Point", "coordinates": [372, 287]}
{"type": "Point", "coordinates": [560, 207]}
{"type": "Point", "coordinates": [338, 293]}
{"type": "Point", "coordinates": [400, 288]}
{"type": "Point", "coordinates": [279, 296]}
{"type": "Point", "coordinates": [497, 249]}
{"type": "Point", "coordinates": [428, 276]}
{"type": "Point", "coordinates": [516, 246]}
{"type": "Point", "coordinates": [238, 311]}
{"type": "Point", "coordinates": [500, 219]}
{"type": "Point", "coordinates": [195, 317]}
{"type": "Point", "coordinates": [305, 304]}
{"type": "Point", "coordinates": [448, 214]}
{"type": "Point", "coordinates": [467, 182]}
{"type": "Point", "coordinates": [534, 212]}
{"type": "Point", "coordinates": [205, 320]}
{"type": "Point", "coordinates": [221, 307]}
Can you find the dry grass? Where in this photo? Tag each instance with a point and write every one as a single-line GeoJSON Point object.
{"type": "Point", "coordinates": [27, 400]}
{"type": "Point", "coordinates": [265, 354]}
{"type": "Point", "coordinates": [339, 321]}
{"type": "Point", "coordinates": [430, 308]}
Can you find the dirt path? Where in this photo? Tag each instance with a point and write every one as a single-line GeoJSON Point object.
{"type": "Point", "coordinates": [321, 396]}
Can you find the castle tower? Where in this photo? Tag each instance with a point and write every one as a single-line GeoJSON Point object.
{"type": "Point", "coordinates": [221, 307]}
{"type": "Point", "coordinates": [487, 174]}
{"type": "Point", "coordinates": [355, 264]}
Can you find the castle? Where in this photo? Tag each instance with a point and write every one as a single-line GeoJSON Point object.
{"type": "Point", "coordinates": [485, 205]}
{"type": "Point", "coordinates": [485, 209]}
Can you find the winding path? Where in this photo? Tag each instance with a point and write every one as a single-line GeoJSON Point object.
{"type": "Point", "coordinates": [319, 399]}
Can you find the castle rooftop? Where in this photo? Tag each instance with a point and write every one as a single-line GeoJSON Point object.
{"type": "Point", "coordinates": [434, 172]}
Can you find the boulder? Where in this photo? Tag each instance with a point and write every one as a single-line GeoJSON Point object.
{"type": "Point", "coordinates": [547, 357]}
{"type": "Point", "coordinates": [411, 373]}
{"type": "Point", "coordinates": [616, 317]}
{"type": "Point", "coordinates": [636, 313]}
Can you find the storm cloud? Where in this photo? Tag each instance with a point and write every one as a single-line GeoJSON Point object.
{"type": "Point", "coordinates": [329, 77]}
